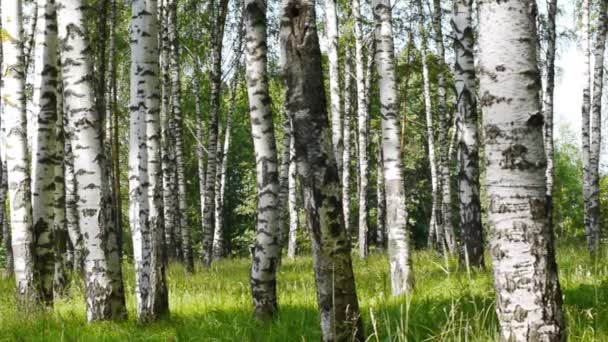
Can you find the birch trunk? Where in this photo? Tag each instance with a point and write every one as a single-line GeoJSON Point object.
{"type": "Point", "coordinates": [43, 145]}
{"type": "Point", "coordinates": [200, 149]}
{"type": "Point", "coordinates": [292, 246]}
{"type": "Point", "coordinates": [71, 200]}
{"type": "Point", "coordinates": [13, 112]}
{"type": "Point", "coordinates": [145, 193]}
{"type": "Point", "coordinates": [305, 102]}
{"type": "Point", "coordinates": [435, 225]}
{"type": "Point", "coordinates": [392, 162]}
{"type": "Point", "coordinates": [218, 238]}
{"type": "Point", "coordinates": [266, 253]}
{"type": "Point", "coordinates": [528, 294]}
{"type": "Point", "coordinates": [381, 198]}
{"type": "Point", "coordinates": [471, 229]}
{"type": "Point", "coordinates": [170, 201]}
{"type": "Point", "coordinates": [111, 123]}
{"type": "Point", "coordinates": [285, 162]}
{"type": "Point", "coordinates": [60, 233]}
{"type": "Point", "coordinates": [213, 133]}
{"type": "Point", "coordinates": [592, 202]}
{"type": "Point", "coordinates": [586, 127]}
{"type": "Point", "coordinates": [176, 123]}
{"type": "Point", "coordinates": [548, 101]}
{"type": "Point", "coordinates": [444, 127]}
{"type": "Point", "coordinates": [362, 130]}
{"type": "Point", "coordinates": [331, 31]}
{"type": "Point", "coordinates": [103, 276]}
{"type": "Point", "coordinates": [6, 230]}
{"type": "Point", "coordinates": [346, 136]}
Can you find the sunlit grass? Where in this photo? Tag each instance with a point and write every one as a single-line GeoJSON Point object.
{"type": "Point", "coordinates": [215, 305]}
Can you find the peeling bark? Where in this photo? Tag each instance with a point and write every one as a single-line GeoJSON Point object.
{"type": "Point", "coordinates": [528, 295]}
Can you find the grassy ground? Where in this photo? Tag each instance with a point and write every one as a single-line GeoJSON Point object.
{"type": "Point", "coordinates": [214, 305]}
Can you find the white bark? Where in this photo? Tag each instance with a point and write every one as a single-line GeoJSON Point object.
{"type": "Point", "coordinates": [435, 225]}
{"type": "Point", "coordinates": [471, 230]}
{"type": "Point", "coordinates": [396, 215]}
{"type": "Point", "coordinates": [362, 130]}
{"type": "Point", "coordinates": [145, 196]}
{"type": "Point", "coordinates": [292, 199]}
{"type": "Point", "coordinates": [102, 269]}
{"type": "Point", "coordinates": [13, 112]}
{"type": "Point", "coordinates": [332, 38]}
{"type": "Point", "coordinates": [346, 136]}
{"type": "Point", "coordinates": [528, 294]}
{"type": "Point", "coordinates": [592, 202]}
{"type": "Point", "coordinates": [267, 247]}
{"type": "Point", "coordinates": [213, 134]}
{"type": "Point", "coordinates": [43, 144]}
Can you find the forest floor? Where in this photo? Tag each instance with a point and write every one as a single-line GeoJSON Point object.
{"type": "Point", "coordinates": [214, 305]}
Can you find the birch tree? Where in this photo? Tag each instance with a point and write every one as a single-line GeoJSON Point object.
{"type": "Point", "coordinates": [213, 134]}
{"type": "Point", "coordinates": [292, 200]}
{"type": "Point", "coordinates": [317, 170]}
{"type": "Point", "coordinates": [362, 130]}
{"type": "Point", "coordinates": [331, 32]}
{"type": "Point", "coordinates": [528, 293]}
{"type": "Point", "coordinates": [218, 237]}
{"type": "Point", "coordinates": [18, 177]}
{"type": "Point", "coordinates": [435, 224]}
{"type": "Point", "coordinates": [346, 138]}
{"type": "Point", "coordinates": [177, 130]}
{"type": "Point", "coordinates": [60, 232]}
{"type": "Point", "coordinates": [548, 100]}
{"type": "Point", "coordinates": [444, 127]}
{"type": "Point", "coordinates": [145, 193]}
{"type": "Point", "coordinates": [170, 200]}
{"type": "Point", "coordinates": [586, 126]}
{"type": "Point", "coordinates": [266, 252]}
{"type": "Point", "coordinates": [102, 269]}
{"type": "Point", "coordinates": [592, 200]}
{"type": "Point", "coordinates": [471, 230]}
{"type": "Point", "coordinates": [392, 162]}
{"type": "Point", "coordinates": [43, 145]}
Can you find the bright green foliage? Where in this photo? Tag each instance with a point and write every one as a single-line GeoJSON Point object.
{"type": "Point", "coordinates": [568, 187]}
{"type": "Point", "coordinates": [215, 304]}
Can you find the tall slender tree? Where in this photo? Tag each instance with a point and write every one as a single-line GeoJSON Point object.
{"type": "Point", "coordinates": [586, 128]}
{"type": "Point", "coordinates": [170, 201]}
{"type": "Point", "coordinates": [392, 163]}
{"type": "Point", "coordinates": [346, 139]}
{"type": "Point", "coordinates": [362, 129]}
{"type": "Point", "coordinates": [436, 233]}
{"type": "Point", "coordinates": [213, 133]}
{"type": "Point", "coordinates": [592, 201]}
{"type": "Point", "coordinates": [218, 234]}
{"type": "Point", "coordinates": [102, 270]}
{"type": "Point", "coordinates": [444, 127]}
{"type": "Point", "coordinates": [331, 32]}
{"type": "Point", "coordinates": [145, 193]}
{"type": "Point", "coordinates": [293, 200]}
{"type": "Point", "coordinates": [43, 145]}
{"type": "Point", "coordinates": [176, 124]}
{"type": "Point", "coordinates": [528, 293]}
{"type": "Point", "coordinates": [318, 174]}
{"type": "Point", "coordinates": [18, 177]}
{"type": "Point", "coordinates": [471, 230]}
{"type": "Point", "coordinates": [266, 252]}
{"type": "Point", "coordinates": [548, 100]}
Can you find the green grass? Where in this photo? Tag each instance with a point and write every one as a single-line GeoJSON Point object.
{"type": "Point", "coordinates": [215, 305]}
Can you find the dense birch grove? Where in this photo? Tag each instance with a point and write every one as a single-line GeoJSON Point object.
{"type": "Point", "coordinates": [144, 139]}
